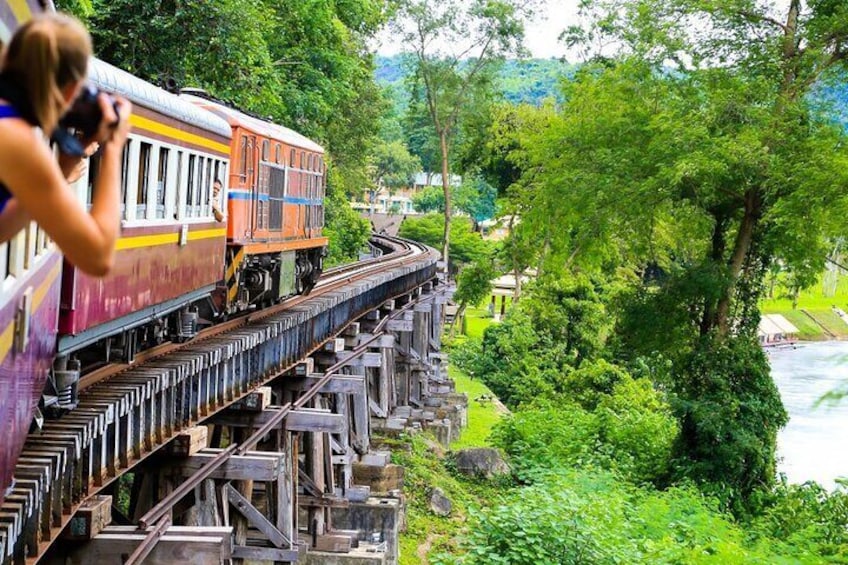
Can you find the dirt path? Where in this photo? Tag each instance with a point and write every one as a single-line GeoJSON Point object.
{"type": "Point", "coordinates": [424, 548]}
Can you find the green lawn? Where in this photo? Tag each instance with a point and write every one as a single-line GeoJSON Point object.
{"type": "Point", "coordinates": [819, 306]}
{"type": "Point", "coordinates": [476, 322]}
{"type": "Point", "coordinates": [807, 328]}
{"type": "Point", "coordinates": [482, 415]}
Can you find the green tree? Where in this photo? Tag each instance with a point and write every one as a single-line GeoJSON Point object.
{"type": "Point", "coordinates": [429, 199]}
{"type": "Point", "coordinates": [479, 34]}
{"type": "Point", "coordinates": [730, 138]}
{"type": "Point", "coordinates": [473, 284]}
{"type": "Point", "coordinates": [476, 198]}
{"type": "Point", "coordinates": [466, 247]}
{"type": "Point", "coordinates": [392, 166]}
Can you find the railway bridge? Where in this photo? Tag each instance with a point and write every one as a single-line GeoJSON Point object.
{"type": "Point", "coordinates": [256, 442]}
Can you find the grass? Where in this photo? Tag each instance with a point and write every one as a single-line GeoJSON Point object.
{"type": "Point", "coordinates": [482, 415]}
{"type": "Point", "coordinates": [426, 467]}
{"type": "Point", "coordinates": [476, 322]}
{"type": "Point", "coordinates": [820, 307]}
{"type": "Point", "coordinates": [807, 329]}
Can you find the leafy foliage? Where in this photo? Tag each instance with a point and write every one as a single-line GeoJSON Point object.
{"type": "Point", "coordinates": [305, 65]}
{"type": "Point", "coordinates": [730, 412]}
{"type": "Point", "coordinates": [466, 245]}
{"type": "Point", "coordinates": [578, 517]}
{"type": "Point", "coordinates": [629, 428]}
{"type": "Point", "coordinates": [429, 199]}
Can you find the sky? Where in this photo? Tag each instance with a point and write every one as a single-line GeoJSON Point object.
{"type": "Point", "coordinates": [540, 34]}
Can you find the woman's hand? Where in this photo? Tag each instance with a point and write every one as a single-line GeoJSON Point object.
{"type": "Point", "coordinates": [114, 127]}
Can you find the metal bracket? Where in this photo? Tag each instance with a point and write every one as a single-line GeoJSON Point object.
{"type": "Point", "coordinates": [23, 321]}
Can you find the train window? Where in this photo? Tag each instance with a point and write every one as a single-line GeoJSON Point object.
{"type": "Point", "coordinates": [4, 260]}
{"type": "Point", "coordinates": [266, 150]}
{"type": "Point", "coordinates": [93, 173]}
{"type": "Point", "coordinates": [161, 182]}
{"type": "Point", "coordinates": [192, 174]}
{"type": "Point", "coordinates": [125, 176]}
{"type": "Point", "coordinates": [198, 189]}
{"type": "Point", "coordinates": [15, 262]}
{"type": "Point", "coordinates": [244, 158]}
{"type": "Point", "coordinates": [143, 176]}
{"type": "Point", "coordinates": [179, 185]}
{"type": "Point", "coordinates": [207, 189]}
{"type": "Point", "coordinates": [291, 159]}
{"type": "Point", "coordinates": [277, 153]}
{"type": "Point", "coordinates": [302, 160]}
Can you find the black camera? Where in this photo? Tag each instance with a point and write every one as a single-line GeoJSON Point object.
{"type": "Point", "coordinates": [81, 121]}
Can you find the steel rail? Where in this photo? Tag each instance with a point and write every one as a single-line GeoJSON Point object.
{"type": "Point", "coordinates": [360, 269]}
{"type": "Point", "coordinates": [149, 543]}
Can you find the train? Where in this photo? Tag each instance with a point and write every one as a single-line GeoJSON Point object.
{"type": "Point", "coordinates": [178, 267]}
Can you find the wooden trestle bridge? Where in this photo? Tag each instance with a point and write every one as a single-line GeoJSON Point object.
{"type": "Point", "coordinates": [251, 443]}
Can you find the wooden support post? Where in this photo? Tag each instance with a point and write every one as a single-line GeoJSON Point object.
{"type": "Point", "coordinates": [93, 515]}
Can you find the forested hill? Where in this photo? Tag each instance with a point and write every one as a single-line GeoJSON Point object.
{"type": "Point", "coordinates": [530, 80]}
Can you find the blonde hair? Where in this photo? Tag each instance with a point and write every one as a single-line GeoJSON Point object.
{"type": "Point", "coordinates": [49, 52]}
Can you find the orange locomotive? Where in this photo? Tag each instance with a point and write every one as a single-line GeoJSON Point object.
{"type": "Point", "coordinates": [275, 246]}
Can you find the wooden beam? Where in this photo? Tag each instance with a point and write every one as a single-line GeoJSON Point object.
{"type": "Point", "coordinates": [254, 466]}
{"type": "Point", "coordinates": [311, 420]}
{"type": "Point", "coordinates": [272, 554]}
{"type": "Point", "coordinates": [170, 549]}
{"type": "Point", "coordinates": [344, 384]}
{"type": "Point", "coordinates": [190, 441]}
{"type": "Point", "coordinates": [256, 518]}
{"type": "Point", "coordinates": [399, 325]}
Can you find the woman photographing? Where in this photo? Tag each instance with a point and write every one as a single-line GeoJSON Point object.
{"type": "Point", "coordinates": [42, 72]}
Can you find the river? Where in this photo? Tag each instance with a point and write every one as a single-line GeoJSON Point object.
{"type": "Point", "coordinates": [812, 446]}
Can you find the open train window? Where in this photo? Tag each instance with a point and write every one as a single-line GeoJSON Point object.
{"type": "Point", "coordinates": [192, 173]}
{"type": "Point", "coordinates": [93, 173]}
{"type": "Point", "coordinates": [198, 190]}
{"type": "Point", "coordinates": [125, 175]}
{"type": "Point", "coordinates": [161, 182]}
{"type": "Point", "coordinates": [207, 189]}
{"type": "Point", "coordinates": [143, 178]}
{"type": "Point", "coordinates": [179, 184]}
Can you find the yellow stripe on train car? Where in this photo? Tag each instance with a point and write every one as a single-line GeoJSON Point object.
{"type": "Point", "coordinates": [137, 241]}
{"type": "Point", "coordinates": [168, 131]}
{"type": "Point", "coordinates": [21, 10]}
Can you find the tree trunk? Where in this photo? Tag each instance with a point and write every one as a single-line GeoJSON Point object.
{"type": "Point", "coordinates": [443, 143]}
{"type": "Point", "coordinates": [742, 245]}
{"type": "Point", "coordinates": [708, 318]}
{"type": "Point", "coordinates": [516, 260]}
{"type": "Point", "coordinates": [460, 312]}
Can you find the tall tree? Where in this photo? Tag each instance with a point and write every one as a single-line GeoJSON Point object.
{"type": "Point", "coordinates": [720, 124]}
{"type": "Point", "coordinates": [456, 46]}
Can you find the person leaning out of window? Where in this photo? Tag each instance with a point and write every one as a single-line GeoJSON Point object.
{"type": "Point", "coordinates": [217, 188]}
{"type": "Point", "coordinates": [42, 72]}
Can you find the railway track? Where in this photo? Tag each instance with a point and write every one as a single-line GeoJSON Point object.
{"type": "Point", "coordinates": [127, 413]}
